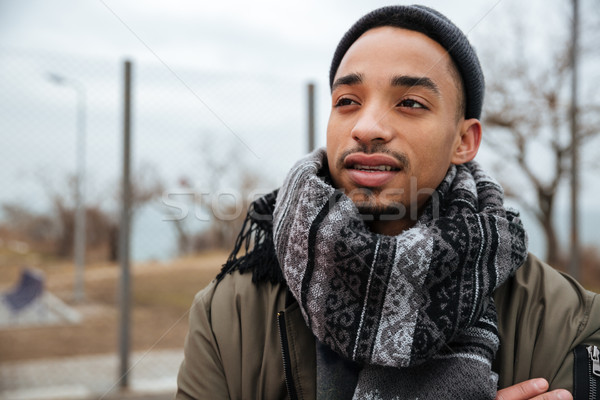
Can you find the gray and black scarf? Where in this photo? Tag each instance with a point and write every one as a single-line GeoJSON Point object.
{"type": "Point", "coordinates": [416, 309]}
{"type": "Point", "coordinates": [408, 316]}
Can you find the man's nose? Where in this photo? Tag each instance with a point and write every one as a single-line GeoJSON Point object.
{"type": "Point", "coordinates": [372, 126]}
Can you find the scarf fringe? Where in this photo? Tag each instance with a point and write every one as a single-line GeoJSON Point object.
{"type": "Point", "coordinates": [256, 240]}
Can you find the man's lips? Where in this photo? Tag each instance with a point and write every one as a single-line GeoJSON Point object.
{"type": "Point", "coordinates": [371, 170]}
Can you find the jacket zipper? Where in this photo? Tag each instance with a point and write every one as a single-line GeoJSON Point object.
{"type": "Point", "coordinates": [594, 354]}
{"type": "Point", "coordinates": [285, 352]}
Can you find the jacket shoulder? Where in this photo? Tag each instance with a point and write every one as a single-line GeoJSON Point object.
{"type": "Point", "coordinates": [201, 373]}
{"type": "Point", "coordinates": [243, 323]}
{"type": "Point", "coordinates": [236, 292]}
{"type": "Point", "coordinates": [543, 314]}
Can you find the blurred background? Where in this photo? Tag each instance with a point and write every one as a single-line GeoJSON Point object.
{"type": "Point", "coordinates": [223, 97]}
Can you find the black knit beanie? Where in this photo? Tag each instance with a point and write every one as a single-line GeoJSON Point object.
{"type": "Point", "coordinates": [439, 28]}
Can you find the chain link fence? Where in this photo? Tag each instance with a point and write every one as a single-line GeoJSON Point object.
{"type": "Point", "coordinates": [204, 144]}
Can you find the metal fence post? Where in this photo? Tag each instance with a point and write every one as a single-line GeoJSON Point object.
{"type": "Point", "coordinates": [311, 117]}
{"type": "Point", "coordinates": [124, 236]}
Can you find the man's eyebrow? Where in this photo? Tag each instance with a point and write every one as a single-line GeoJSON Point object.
{"type": "Point", "coordinates": [350, 79]}
{"type": "Point", "coordinates": [410, 81]}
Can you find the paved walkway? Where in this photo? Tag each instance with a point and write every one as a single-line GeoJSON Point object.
{"type": "Point", "coordinates": [153, 376]}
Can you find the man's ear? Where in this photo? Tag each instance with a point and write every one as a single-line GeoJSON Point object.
{"type": "Point", "coordinates": [468, 143]}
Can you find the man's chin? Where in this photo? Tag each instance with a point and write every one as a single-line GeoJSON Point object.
{"type": "Point", "coordinates": [382, 212]}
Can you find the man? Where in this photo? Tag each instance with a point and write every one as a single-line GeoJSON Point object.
{"type": "Point", "coordinates": [387, 266]}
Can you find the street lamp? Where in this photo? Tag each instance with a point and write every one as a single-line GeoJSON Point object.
{"type": "Point", "coordinates": [79, 240]}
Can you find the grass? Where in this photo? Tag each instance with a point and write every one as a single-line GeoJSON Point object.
{"type": "Point", "coordinates": [161, 293]}
{"type": "Point", "coordinates": [161, 297]}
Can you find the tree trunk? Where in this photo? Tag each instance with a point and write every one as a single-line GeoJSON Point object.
{"type": "Point", "coordinates": [552, 246]}
{"type": "Point", "coordinates": [113, 242]}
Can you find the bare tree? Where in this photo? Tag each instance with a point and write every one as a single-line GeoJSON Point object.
{"type": "Point", "coordinates": [528, 113]}
{"type": "Point", "coordinates": [146, 186]}
{"type": "Point", "coordinates": [22, 224]}
{"type": "Point", "coordinates": [53, 231]}
{"type": "Point", "coordinates": [221, 194]}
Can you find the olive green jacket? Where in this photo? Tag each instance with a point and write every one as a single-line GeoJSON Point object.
{"type": "Point", "coordinates": [249, 341]}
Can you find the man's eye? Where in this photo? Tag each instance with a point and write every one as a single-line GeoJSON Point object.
{"type": "Point", "coordinates": [410, 103]}
{"type": "Point", "coordinates": [344, 101]}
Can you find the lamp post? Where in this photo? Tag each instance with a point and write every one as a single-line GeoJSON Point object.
{"type": "Point", "coordinates": [79, 239]}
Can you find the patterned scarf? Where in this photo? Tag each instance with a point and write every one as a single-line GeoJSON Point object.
{"type": "Point", "coordinates": [414, 310]}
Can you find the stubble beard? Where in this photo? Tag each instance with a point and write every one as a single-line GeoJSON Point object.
{"type": "Point", "coordinates": [371, 208]}
{"type": "Point", "coordinates": [367, 200]}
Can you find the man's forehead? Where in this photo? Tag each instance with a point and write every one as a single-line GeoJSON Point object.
{"type": "Point", "coordinates": [396, 39]}
{"type": "Point", "coordinates": [397, 52]}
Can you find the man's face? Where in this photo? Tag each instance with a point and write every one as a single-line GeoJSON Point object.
{"type": "Point", "coordinates": [393, 129]}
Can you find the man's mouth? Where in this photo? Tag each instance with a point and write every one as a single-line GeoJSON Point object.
{"type": "Point", "coordinates": [363, 167]}
{"type": "Point", "coordinates": [371, 170]}
{"type": "Point", "coordinates": [372, 162]}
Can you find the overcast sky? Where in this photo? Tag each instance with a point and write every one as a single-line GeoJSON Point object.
{"type": "Point", "coordinates": [257, 55]}
{"type": "Point", "coordinates": [268, 36]}
{"type": "Point", "coordinates": [238, 42]}
{"type": "Point", "coordinates": [290, 41]}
